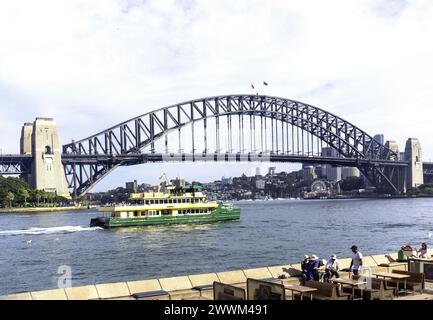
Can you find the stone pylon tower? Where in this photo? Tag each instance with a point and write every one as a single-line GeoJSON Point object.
{"type": "Point", "coordinates": [26, 146]}
{"type": "Point", "coordinates": [47, 169]}
{"type": "Point", "coordinates": [412, 153]}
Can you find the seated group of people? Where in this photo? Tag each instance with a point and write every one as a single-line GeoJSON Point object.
{"type": "Point", "coordinates": [311, 266]}
{"type": "Point", "coordinates": [408, 252]}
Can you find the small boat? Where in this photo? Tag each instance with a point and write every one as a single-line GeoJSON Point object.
{"type": "Point", "coordinates": [177, 204]}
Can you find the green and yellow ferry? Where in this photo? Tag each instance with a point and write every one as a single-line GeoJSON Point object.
{"type": "Point", "coordinates": [175, 205]}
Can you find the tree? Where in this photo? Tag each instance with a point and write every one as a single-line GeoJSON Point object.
{"type": "Point", "coordinates": [352, 183]}
{"type": "Point", "coordinates": [10, 197]}
{"type": "Point", "coordinates": [24, 194]}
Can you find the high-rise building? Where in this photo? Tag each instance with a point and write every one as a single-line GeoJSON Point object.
{"type": "Point", "coordinates": [271, 171]}
{"type": "Point", "coordinates": [393, 145]}
{"type": "Point", "coordinates": [258, 172]}
{"type": "Point", "coordinates": [379, 138]}
{"type": "Point", "coordinates": [328, 171]}
{"type": "Point", "coordinates": [308, 173]}
{"type": "Point", "coordinates": [131, 186]}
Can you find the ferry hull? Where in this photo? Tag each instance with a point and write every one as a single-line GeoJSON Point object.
{"type": "Point", "coordinates": [226, 215]}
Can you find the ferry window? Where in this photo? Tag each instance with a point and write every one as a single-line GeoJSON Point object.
{"type": "Point", "coordinates": [183, 200]}
{"type": "Point", "coordinates": [151, 201]}
{"type": "Point", "coordinates": [165, 201]}
{"type": "Point", "coordinates": [135, 213]}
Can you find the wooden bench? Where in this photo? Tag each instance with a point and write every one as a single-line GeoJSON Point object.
{"type": "Point", "coordinates": [265, 290]}
{"type": "Point", "coordinates": [375, 289]}
{"type": "Point", "coordinates": [179, 288]}
{"type": "Point", "coordinates": [325, 291]}
{"type": "Point", "coordinates": [204, 284]}
{"type": "Point", "coordinates": [149, 295]}
{"type": "Point", "coordinates": [147, 290]}
{"type": "Point", "coordinates": [224, 291]}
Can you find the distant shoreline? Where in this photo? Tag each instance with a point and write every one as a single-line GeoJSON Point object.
{"type": "Point", "coordinates": [45, 209]}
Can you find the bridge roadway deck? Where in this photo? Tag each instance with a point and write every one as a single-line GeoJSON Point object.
{"type": "Point", "coordinates": [132, 159]}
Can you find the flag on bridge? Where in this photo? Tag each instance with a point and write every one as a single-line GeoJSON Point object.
{"type": "Point", "coordinates": [265, 83]}
{"type": "Point", "coordinates": [252, 86]}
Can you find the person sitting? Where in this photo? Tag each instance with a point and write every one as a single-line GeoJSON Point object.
{"type": "Point", "coordinates": [422, 252]}
{"type": "Point", "coordinates": [405, 253]}
{"type": "Point", "coordinates": [314, 268]}
{"type": "Point", "coordinates": [305, 266]}
{"type": "Point", "coordinates": [331, 268]}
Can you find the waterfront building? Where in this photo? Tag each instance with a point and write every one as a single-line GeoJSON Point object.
{"type": "Point", "coordinates": [226, 181]}
{"type": "Point", "coordinates": [260, 184]}
{"type": "Point", "coordinates": [347, 172]}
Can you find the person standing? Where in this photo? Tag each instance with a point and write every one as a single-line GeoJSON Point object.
{"type": "Point", "coordinates": [356, 263]}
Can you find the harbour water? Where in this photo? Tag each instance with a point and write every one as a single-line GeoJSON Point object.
{"type": "Point", "coordinates": [34, 246]}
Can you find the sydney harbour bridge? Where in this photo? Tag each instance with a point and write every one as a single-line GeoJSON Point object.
{"type": "Point", "coordinates": [220, 128]}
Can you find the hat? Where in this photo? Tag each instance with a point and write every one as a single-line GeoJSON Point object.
{"type": "Point", "coordinates": [354, 247]}
{"type": "Point", "coordinates": [306, 256]}
{"type": "Point", "coordinates": [314, 257]}
{"type": "Point", "coordinates": [334, 257]}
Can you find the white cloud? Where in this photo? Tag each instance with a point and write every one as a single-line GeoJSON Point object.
{"type": "Point", "coordinates": [91, 64]}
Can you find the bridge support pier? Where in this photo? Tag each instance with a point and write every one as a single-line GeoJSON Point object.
{"type": "Point", "coordinates": [412, 154]}
{"type": "Point", "coordinates": [47, 172]}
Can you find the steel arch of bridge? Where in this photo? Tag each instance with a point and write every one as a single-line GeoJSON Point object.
{"type": "Point", "coordinates": [89, 160]}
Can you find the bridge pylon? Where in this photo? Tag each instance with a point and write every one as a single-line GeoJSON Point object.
{"type": "Point", "coordinates": [41, 140]}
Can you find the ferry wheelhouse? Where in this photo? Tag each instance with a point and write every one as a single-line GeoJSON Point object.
{"type": "Point", "coordinates": [174, 205]}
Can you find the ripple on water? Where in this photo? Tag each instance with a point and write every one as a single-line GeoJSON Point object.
{"type": "Point", "coordinates": [269, 233]}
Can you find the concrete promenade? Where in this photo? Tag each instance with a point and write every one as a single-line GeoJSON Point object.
{"type": "Point", "coordinates": [198, 286]}
{"type": "Point", "coordinates": [44, 209]}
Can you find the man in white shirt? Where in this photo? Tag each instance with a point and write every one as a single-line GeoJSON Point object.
{"type": "Point", "coordinates": [331, 268]}
{"type": "Point", "coordinates": [356, 263]}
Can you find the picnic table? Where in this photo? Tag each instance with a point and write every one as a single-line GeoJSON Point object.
{"type": "Point", "coordinates": [394, 276]}
{"type": "Point", "coordinates": [352, 283]}
{"type": "Point", "coordinates": [300, 289]}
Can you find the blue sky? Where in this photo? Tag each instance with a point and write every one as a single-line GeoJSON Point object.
{"type": "Point", "coordinates": [92, 64]}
